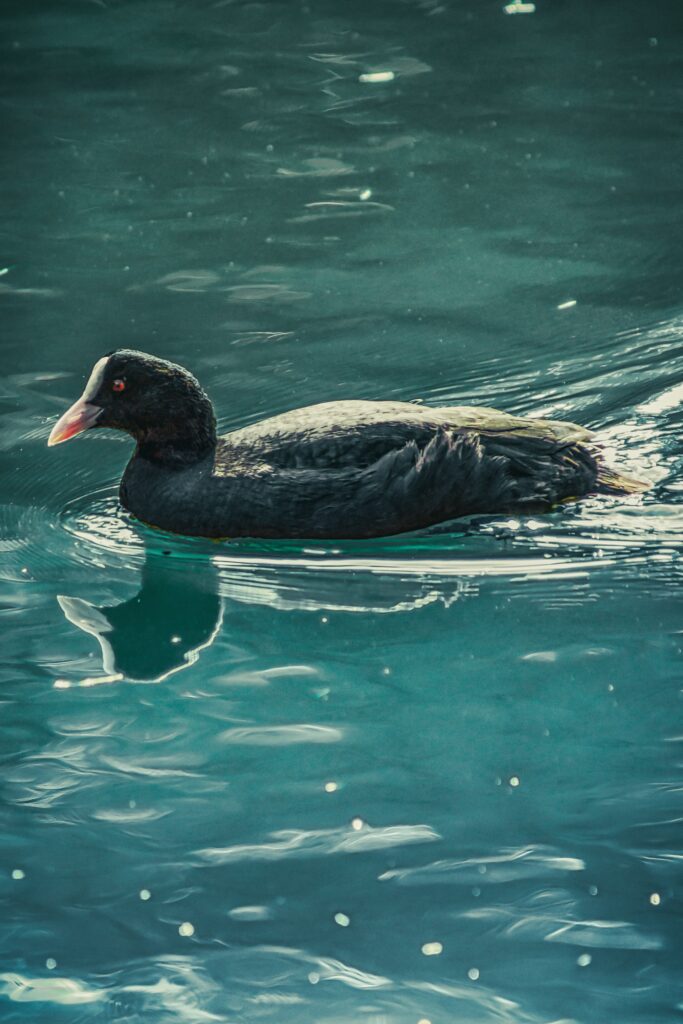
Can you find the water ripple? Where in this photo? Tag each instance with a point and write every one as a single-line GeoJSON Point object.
{"type": "Point", "coordinates": [59, 991]}
{"type": "Point", "coordinates": [300, 843]}
{"type": "Point", "coordinates": [527, 862]}
{"type": "Point", "coordinates": [514, 923]}
{"type": "Point", "coordinates": [281, 735]}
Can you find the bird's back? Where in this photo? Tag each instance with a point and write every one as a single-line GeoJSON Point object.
{"type": "Point", "coordinates": [364, 469]}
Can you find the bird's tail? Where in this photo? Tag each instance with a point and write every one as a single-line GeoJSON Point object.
{"type": "Point", "coordinates": [610, 481]}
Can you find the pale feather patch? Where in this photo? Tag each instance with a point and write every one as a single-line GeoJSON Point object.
{"type": "Point", "coordinates": [96, 378]}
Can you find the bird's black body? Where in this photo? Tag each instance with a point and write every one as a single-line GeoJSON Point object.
{"type": "Point", "coordinates": [340, 469]}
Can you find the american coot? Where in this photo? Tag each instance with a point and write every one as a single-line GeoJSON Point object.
{"type": "Point", "coordinates": [339, 469]}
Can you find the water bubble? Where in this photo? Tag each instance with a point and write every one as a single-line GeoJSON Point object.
{"type": "Point", "coordinates": [593, 890]}
{"type": "Point", "coordinates": [342, 920]}
{"type": "Point", "coordinates": [473, 974]}
{"type": "Point", "coordinates": [357, 824]}
{"type": "Point", "coordinates": [18, 874]}
{"type": "Point", "coordinates": [432, 949]}
{"type": "Point", "coordinates": [50, 963]}
{"type": "Point", "coordinates": [331, 787]}
{"type": "Point", "coordinates": [584, 959]}
{"type": "Point", "coordinates": [145, 894]}
{"type": "Point", "coordinates": [365, 194]}
{"type": "Point", "coordinates": [514, 781]}
{"type": "Point", "coordinates": [655, 899]}
{"type": "Point", "coordinates": [314, 978]}
{"type": "Point", "coordinates": [186, 929]}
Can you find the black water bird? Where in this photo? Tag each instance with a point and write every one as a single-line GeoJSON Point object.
{"type": "Point", "coordinates": [338, 470]}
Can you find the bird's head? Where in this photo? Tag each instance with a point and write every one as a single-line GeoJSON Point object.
{"type": "Point", "coordinates": [158, 403]}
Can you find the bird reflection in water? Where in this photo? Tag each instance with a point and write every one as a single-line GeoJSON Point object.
{"type": "Point", "coordinates": [163, 629]}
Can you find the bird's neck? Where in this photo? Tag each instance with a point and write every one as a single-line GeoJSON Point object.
{"type": "Point", "coordinates": [181, 442]}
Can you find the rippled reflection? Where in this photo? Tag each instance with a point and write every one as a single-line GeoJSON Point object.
{"type": "Point", "coordinates": [176, 614]}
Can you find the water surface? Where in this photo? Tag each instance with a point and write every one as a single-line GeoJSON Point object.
{"type": "Point", "coordinates": [428, 778]}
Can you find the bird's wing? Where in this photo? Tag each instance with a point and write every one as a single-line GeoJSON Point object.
{"type": "Point", "coordinates": [457, 472]}
{"type": "Point", "coordinates": [332, 436]}
{"type": "Point", "coordinates": [355, 435]}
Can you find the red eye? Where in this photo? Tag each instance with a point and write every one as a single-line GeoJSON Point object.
{"type": "Point", "coordinates": [119, 385]}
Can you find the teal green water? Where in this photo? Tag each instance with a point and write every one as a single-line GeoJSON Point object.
{"type": "Point", "coordinates": [426, 779]}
